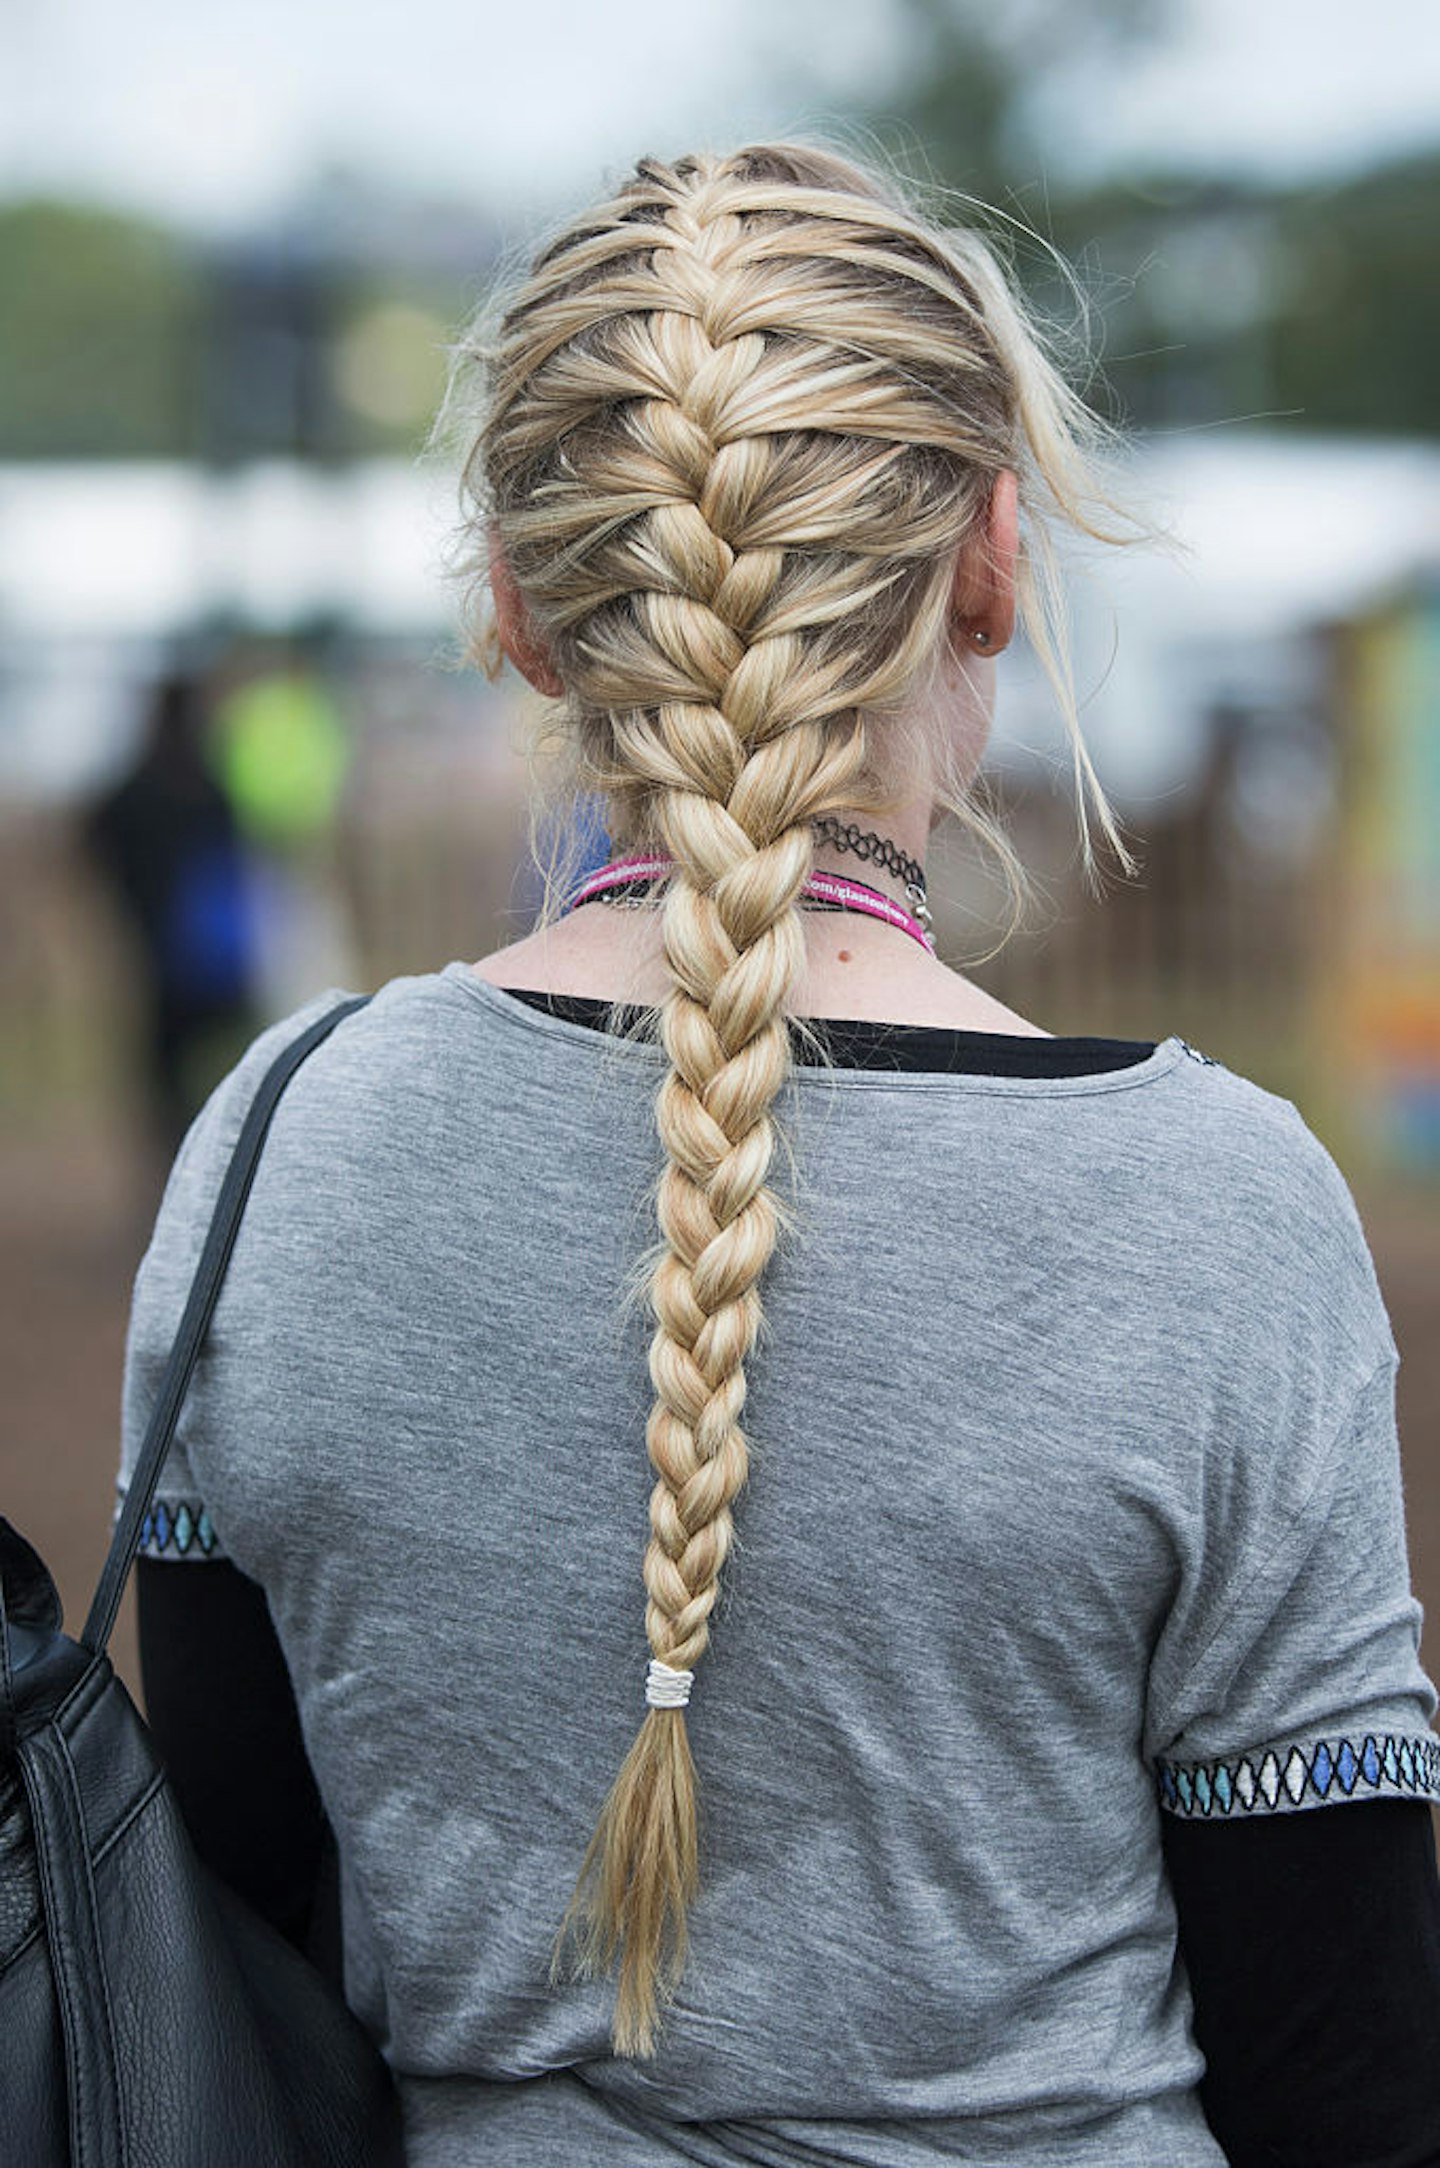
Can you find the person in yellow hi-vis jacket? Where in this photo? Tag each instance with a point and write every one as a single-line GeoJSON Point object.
{"type": "Point", "coordinates": [282, 753]}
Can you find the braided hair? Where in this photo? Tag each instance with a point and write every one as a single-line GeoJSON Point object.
{"type": "Point", "coordinates": [735, 426]}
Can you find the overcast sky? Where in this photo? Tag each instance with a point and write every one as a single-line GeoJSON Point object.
{"type": "Point", "coordinates": [214, 111]}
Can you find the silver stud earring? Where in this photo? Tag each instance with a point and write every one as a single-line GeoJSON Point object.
{"type": "Point", "coordinates": [981, 639]}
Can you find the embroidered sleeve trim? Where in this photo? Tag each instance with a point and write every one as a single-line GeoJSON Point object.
{"type": "Point", "coordinates": [1324, 1769]}
{"type": "Point", "coordinates": [178, 1528]}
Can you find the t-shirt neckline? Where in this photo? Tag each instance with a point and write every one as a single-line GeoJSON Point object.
{"type": "Point", "coordinates": [1001, 1062]}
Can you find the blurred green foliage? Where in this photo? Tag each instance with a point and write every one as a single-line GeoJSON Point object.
{"type": "Point", "coordinates": [1210, 300]}
{"type": "Point", "coordinates": [969, 72]}
{"type": "Point", "coordinates": [1358, 331]}
{"type": "Point", "coordinates": [121, 338]}
{"type": "Point", "coordinates": [1215, 302]}
{"type": "Point", "coordinates": [99, 335]}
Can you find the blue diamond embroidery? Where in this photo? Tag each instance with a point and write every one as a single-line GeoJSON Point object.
{"type": "Point", "coordinates": [147, 1530]}
{"type": "Point", "coordinates": [205, 1531]}
{"type": "Point", "coordinates": [162, 1525]}
{"type": "Point", "coordinates": [1207, 1787]}
{"type": "Point", "coordinates": [184, 1530]}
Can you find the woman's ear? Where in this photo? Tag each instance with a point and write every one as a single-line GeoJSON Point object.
{"type": "Point", "coordinates": [983, 597]}
{"type": "Point", "coordinates": [518, 637]}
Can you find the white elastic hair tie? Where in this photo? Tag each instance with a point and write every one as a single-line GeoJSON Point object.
{"type": "Point", "coordinates": [667, 1689]}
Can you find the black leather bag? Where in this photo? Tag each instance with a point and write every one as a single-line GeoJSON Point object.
{"type": "Point", "coordinates": [148, 2018]}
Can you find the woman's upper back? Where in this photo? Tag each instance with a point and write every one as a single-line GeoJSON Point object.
{"type": "Point", "coordinates": [1077, 1387]}
{"type": "Point", "coordinates": [853, 967]}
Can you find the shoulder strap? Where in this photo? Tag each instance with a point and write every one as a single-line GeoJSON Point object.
{"type": "Point", "coordinates": [204, 1293]}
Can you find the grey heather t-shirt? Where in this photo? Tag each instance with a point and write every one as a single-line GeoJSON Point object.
{"type": "Point", "coordinates": [1074, 1500]}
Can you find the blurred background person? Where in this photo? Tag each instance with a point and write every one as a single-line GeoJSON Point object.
{"type": "Point", "coordinates": [283, 754]}
{"type": "Point", "coordinates": [166, 839]}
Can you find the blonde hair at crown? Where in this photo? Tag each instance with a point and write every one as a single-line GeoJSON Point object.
{"type": "Point", "coordinates": [731, 433]}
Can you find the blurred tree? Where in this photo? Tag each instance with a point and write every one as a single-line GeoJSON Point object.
{"type": "Point", "coordinates": [1186, 276]}
{"type": "Point", "coordinates": [322, 336]}
{"type": "Point", "coordinates": [970, 71]}
{"type": "Point", "coordinates": [1213, 299]}
{"type": "Point", "coordinates": [98, 323]}
{"type": "Point", "coordinates": [1317, 305]}
{"type": "Point", "coordinates": [1357, 325]}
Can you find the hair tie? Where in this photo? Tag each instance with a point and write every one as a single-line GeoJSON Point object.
{"type": "Point", "coordinates": [667, 1689]}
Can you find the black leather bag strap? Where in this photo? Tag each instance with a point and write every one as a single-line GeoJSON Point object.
{"type": "Point", "coordinates": [204, 1293]}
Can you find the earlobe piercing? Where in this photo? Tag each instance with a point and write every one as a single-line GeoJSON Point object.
{"type": "Point", "coordinates": [981, 639]}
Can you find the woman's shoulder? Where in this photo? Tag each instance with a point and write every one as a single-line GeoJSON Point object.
{"type": "Point", "coordinates": [385, 1029]}
{"type": "Point", "coordinates": [346, 1090]}
{"type": "Point", "coordinates": [1262, 1190]}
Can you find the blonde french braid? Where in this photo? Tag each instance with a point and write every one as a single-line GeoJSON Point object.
{"type": "Point", "coordinates": [738, 422]}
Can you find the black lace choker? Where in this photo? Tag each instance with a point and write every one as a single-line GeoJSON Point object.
{"type": "Point", "coordinates": [879, 850]}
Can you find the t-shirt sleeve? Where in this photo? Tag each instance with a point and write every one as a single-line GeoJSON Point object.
{"type": "Point", "coordinates": [1288, 1674]}
{"type": "Point", "coordinates": [179, 1524]}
